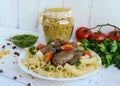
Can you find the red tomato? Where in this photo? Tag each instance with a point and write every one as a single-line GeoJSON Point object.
{"type": "Point", "coordinates": [40, 46]}
{"type": "Point", "coordinates": [99, 36]}
{"type": "Point", "coordinates": [114, 35]}
{"type": "Point", "coordinates": [67, 47]}
{"type": "Point", "coordinates": [82, 33]}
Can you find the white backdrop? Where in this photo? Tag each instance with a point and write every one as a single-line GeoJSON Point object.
{"type": "Point", "coordinates": [23, 14]}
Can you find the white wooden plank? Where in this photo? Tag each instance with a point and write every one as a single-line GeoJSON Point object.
{"type": "Point", "coordinates": [105, 11]}
{"type": "Point", "coordinates": [8, 13]}
{"type": "Point", "coordinates": [81, 10]}
{"type": "Point", "coordinates": [28, 12]}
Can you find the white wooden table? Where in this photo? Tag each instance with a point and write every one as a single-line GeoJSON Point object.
{"type": "Point", "coordinates": [105, 77]}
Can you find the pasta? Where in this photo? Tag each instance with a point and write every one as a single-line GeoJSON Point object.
{"type": "Point", "coordinates": [36, 64]}
{"type": "Point", "coordinates": [32, 67]}
{"type": "Point", "coordinates": [41, 64]}
{"type": "Point", "coordinates": [25, 62]}
{"type": "Point", "coordinates": [45, 73]}
{"type": "Point", "coordinates": [51, 67]}
{"type": "Point", "coordinates": [40, 55]}
{"type": "Point", "coordinates": [55, 26]}
{"type": "Point", "coordinates": [59, 68]}
{"type": "Point", "coordinates": [77, 72]}
{"type": "Point", "coordinates": [89, 60]}
{"type": "Point", "coordinates": [67, 74]}
{"type": "Point", "coordinates": [81, 66]}
{"type": "Point", "coordinates": [58, 74]}
{"type": "Point", "coordinates": [33, 61]}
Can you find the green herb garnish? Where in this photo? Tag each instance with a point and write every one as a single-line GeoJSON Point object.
{"type": "Point", "coordinates": [77, 63]}
{"type": "Point", "coordinates": [49, 42]}
{"type": "Point", "coordinates": [32, 49]}
{"type": "Point", "coordinates": [47, 69]}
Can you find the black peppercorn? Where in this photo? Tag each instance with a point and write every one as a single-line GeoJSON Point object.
{"type": "Point", "coordinates": [3, 46]}
{"type": "Point", "coordinates": [1, 71]}
{"type": "Point", "coordinates": [14, 77]}
{"type": "Point", "coordinates": [16, 53]}
{"type": "Point", "coordinates": [29, 84]}
{"type": "Point", "coordinates": [8, 43]}
{"type": "Point", "coordinates": [13, 47]}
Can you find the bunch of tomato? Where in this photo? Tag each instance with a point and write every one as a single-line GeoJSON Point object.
{"type": "Point", "coordinates": [87, 33]}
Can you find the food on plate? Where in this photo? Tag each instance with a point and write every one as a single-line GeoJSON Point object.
{"type": "Point", "coordinates": [57, 23]}
{"type": "Point", "coordinates": [54, 60]}
{"type": "Point", "coordinates": [4, 52]}
{"type": "Point", "coordinates": [24, 40]}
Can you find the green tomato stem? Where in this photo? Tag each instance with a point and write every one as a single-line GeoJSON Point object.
{"type": "Point", "coordinates": [104, 25]}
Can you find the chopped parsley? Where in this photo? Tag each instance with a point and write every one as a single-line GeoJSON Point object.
{"type": "Point", "coordinates": [32, 49]}
{"type": "Point", "coordinates": [77, 63]}
{"type": "Point", "coordinates": [49, 42]}
{"type": "Point", "coordinates": [47, 69]}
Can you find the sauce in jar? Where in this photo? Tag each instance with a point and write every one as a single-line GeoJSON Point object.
{"type": "Point", "coordinates": [57, 23]}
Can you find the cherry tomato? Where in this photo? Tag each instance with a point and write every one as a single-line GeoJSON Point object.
{"type": "Point", "coordinates": [67, 47]}
{"type": "Point", "coordinates": [82, 33]}
{"type": "Point", "coordinates": [99, 36]}
{"type": "Point", "coordinates": [40, 46]}
{"type": "Point", "coordinates": [48, 56]}
{"type": "Point", "coordinates": [114, 35]}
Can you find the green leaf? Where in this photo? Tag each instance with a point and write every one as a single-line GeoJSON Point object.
{"type": "Point", "coordinates": [32, 49]}
{"type": "Point", "coordinates": [113, 46]}
{"type": "Point", "coordinates": [103, 59]}
{"type": "Point", "coordinates": [85, 43]}
{"type": "Point", "coordinates": [93, 44]}
{"type": "Point", "coordinates": [102, 47]}
{"type": "Point", "coordinates": [108, 59]}
{"type": "Point", "coordinates": [117, 59]}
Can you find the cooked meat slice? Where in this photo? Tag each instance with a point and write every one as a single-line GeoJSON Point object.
{"type": "Point", "coordinates": [76, 57]}
{"type": "Point", "coordinates": [62, 57]}
{"type": "Point", "coordinates": [57, 44]}
{"type": "Point", "coordinates": [80, 52]}
{"type": "Point", "coordinates": [47, 48]}
{"type": "Point", "coordinates": [43, 50]}
{"type": "Point", "coordinates": [50, 47]}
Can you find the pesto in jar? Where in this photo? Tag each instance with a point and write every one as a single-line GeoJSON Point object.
{"type": "Point", "coordinates": [24, 40]}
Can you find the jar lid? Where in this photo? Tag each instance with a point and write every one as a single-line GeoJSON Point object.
{"type": "Point", "coordinates": [57, 12]}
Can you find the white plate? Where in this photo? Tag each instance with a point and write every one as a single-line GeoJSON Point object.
{"type": "Point", "coordinates": [55, 79]}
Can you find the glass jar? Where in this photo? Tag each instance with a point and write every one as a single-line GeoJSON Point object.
{"type": "Point", "coordinates": [57, 23]}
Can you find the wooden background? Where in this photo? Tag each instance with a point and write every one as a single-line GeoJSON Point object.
{"type": "Point", "coordinates": [23, 14]}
